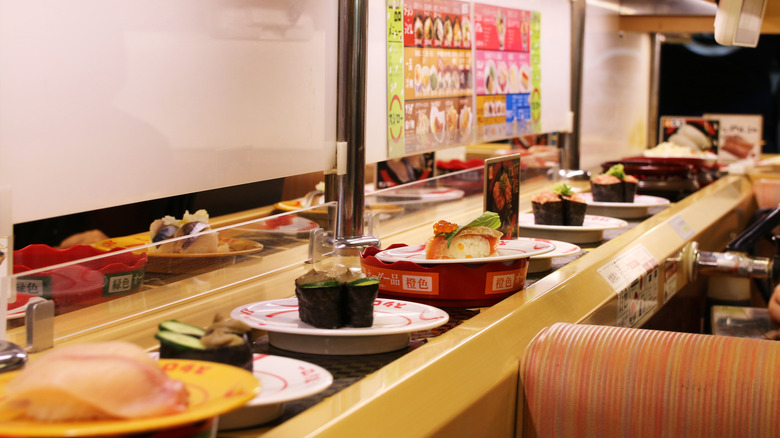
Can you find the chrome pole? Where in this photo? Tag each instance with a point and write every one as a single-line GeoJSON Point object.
{"type": "Point", "coordinates": [572, 139]}
{"type": "Point", "coordinates": [350, 183]}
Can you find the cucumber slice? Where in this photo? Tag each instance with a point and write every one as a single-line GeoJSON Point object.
{"type": "Point", "coordinates": [172, 325]}
{"type": "Point", "coordinates": [329, 283]}
{"type": "Point", "coordinates": [180, 340]}
{"type": "Point", "coordinates": [364, 281]}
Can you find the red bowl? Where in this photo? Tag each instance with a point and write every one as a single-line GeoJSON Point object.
{"type": "Point", "coordinates": [79, 285]}
{"type": "Point", "coordinates": [446, 285]}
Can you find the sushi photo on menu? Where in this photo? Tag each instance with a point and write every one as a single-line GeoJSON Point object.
{"type": "Point", "coordinates": [502, 191]}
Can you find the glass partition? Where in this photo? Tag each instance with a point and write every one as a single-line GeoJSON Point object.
{"type": "Point", "coordinates": [123, 277]}
{"type": "Point", "coordinates": [126, 273]}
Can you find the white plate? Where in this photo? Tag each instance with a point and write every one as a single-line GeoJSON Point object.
{"type": "Point", "coordinates": [298, 225]}
{"type": "Point", "coordinates": [639, 201]}
{"type": "Point", "coordinates": [592, 229]}
{"type": "Point", "coordinates": [422, 195]}
{"type": "Point", "coordinates": [543, 262]}
{"type": "Point", "coordinates": [507, 250]}
{"type": "Point", "coordinates": [394, 321]}
{"type": "Point", "coordinates": [625, 210]}
{"type": "Point", "coordinates": [18, 308]}
{"type": "Point", "coordinates": [283, 379]}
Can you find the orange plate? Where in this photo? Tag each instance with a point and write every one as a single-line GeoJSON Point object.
{"type": "Point", "coordinates": [213, 388]}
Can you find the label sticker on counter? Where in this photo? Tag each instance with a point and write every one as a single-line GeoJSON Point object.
{"type": "Point", "coordinates": [670, 277]}
{"type": "Point", "coordinates": [682, 228]}
{"type": "Point", "coordinates": [634, 277]}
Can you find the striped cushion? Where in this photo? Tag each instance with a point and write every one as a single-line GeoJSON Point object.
{"type": "Point", "coordinates": [583, 380]}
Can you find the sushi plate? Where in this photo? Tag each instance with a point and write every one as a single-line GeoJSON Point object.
{"type": "Point", "coordinates": [394, 321]}
{"type": "Point", "coordinates": [290, 225]}
{"type": "Point", "coordinates": [420, 196]}
{"type": "Point", "coordinates": [543, 262]}
{"type": "Point", "coordinates": [213, 389]}
{"type": "Point", "coordinates": [592, 229]}
{"type": "Point", "coordinates": [182, 263]}
{"type": "Point", "coordinates": [18, 308]}
{"type": "Point", "coordinates": [508, 250]}
{"type": "Point", "coordinates": [625, 210]}
{"type": "Point", "coordinates": [282, 379]}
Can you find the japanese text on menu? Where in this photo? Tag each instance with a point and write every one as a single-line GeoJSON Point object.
{"type": "Point", "coordinates": [465, 77]}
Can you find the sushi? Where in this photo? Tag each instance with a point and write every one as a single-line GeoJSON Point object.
{"type": "Point", "coordinates": [225, 341]}
{"type": "Point", "coordinates": [360, 293]}
{"type": "Point", "coordinates": [102, 380]}
{"type": "Point", "coordinates": [548, 208]}
{"type": "Point", "coordinates": [194, 225]}
{"type": "Point", "coordinates": [561, 206]}
{"type": "Point", "coordinates": [320, 300]}
{"type": "Point", "coordinates": [334, 300]}
{"type": "Point", "coordinates": [479, 238]}
{"type": "Point", "coordinates": [614, 185]}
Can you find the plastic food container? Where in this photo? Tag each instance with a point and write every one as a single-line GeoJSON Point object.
{"type": "Point", "coordinates": [79, 285]}
{"type": "Point", "coordinates": [446, 285]}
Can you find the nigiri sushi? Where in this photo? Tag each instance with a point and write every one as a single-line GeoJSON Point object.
{"type": "Point", "coordinates": [103, 380]}
{"type": "Point", "coordinates": [480, 238]}
{"type": "Point", "coordinates": [191, 225]}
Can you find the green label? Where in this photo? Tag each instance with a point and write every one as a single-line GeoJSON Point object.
{"type": "Point", "coordinates": [38, 286]}
{"type": "Point", "coordinates": [395, 78]}
{"type": "Point", "coordinates": [536, 71]}
{"type": "Point", "coordinates": [122, 283]}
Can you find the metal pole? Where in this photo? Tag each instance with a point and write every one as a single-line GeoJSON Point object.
{"type": "Point", "coordinates": [655, 88]}
{"type": "Point", "coordinates": [353, 25]}
{"type": "Point", "coordinates": [572, 143]}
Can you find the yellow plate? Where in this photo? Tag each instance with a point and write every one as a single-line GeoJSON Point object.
{"type": "Point", "coordinates": [213, 388]}
{"type": "Point", "coordinates": [185, 263]}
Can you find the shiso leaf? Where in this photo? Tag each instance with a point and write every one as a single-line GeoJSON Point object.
{"type": "Point", "coordinates": [487, 219]}
{"type": "Point", "coordinates": [562, 189]}
{"type": "Point", "coordinates": [617, 171]}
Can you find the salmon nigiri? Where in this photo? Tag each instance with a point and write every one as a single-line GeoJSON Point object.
{"type": "Point", "coordinates": [477, 239]}
{"type": "Point", "coordinates": [103, 380]}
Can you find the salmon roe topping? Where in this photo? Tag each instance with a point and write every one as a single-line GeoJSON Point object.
{"type": "Point", "coordinates": [444, 227]}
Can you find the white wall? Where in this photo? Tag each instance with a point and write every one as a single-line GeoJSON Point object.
{"type": "Point", "coordinates": [615, 89]}
{"type": "Point", "coordinates": [108, 102]}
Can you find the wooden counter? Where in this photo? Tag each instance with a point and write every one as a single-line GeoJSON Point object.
{"type": "Point", "coordinates": [464, 382]}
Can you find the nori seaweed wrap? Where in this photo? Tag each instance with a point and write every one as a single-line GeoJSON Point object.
{"type": "Point", "coordinates": [573, 210]}
{"type": "Point", "coordinates": [547, 208]}
{"type": "Point", "coordinates": [614, 186]}
{"type": "Point", "coordinates": [629, 188]}
{"type": "Point", "coordinates": [320, 300]}
{"type": "Point", "coordinates": [360, 296]}
{"type": "Point", "coordinates": [329, 302]}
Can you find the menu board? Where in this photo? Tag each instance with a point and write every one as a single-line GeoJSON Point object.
{"type": "Point", "coordinates": [459, 73]}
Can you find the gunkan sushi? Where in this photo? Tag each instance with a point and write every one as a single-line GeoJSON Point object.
{"type": "Point", "coordinates": [338, 299]}
{"type": "Point", "coordinates": [614, 185]}
{"type": "Point", "coordinates": [359, 295]}
{"type": "Point", "coordinates": [320, 300]}
{"type": "Point", "coordinates": [226, 341]}
{"type": "Point", "coordinates": [560, 206]}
